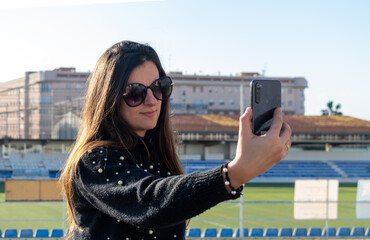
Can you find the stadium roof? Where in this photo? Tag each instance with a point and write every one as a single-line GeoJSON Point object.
{"type": "Point", "coordinates": [298, 123]}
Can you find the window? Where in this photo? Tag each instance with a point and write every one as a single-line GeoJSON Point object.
{"type": "Point", "coordinates": [45, 100]}
{"type": "Point", "coordinates": [302, 92]}
{"type": "Point", "coordinates": [78, 86]}
{"type": "Point", "coordinates": [290, 103]}
{"type": "Point", "coordinates": [221, 102]}
{"type": "Point", "coordinates": [68, 86]}
{"type": "Point", "coordinates": [211, 102]}
{"type": "Point", "coordinates": [290, 91]}
{"type": "Point", "coordinates": [302, 105]}
{"type": "Point", "coordinates": [45, 87]}
{"type": "Point", "coordinates": [231, 101]}
{"type": "Point", "coordinates": [184, 93]}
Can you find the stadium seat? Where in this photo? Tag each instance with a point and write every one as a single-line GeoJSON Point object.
{"type": "Point", "coordinates": [1, 234]}
{"type": "Point", "coordinates": [10, 233]}
{"type": "Point", "coordinates": [332, 232]}
{"type": "Point", "coordinates": [300, 232]}
{"type": "Point", "coordinates": [194, 232]}
{"type": "Point", "coordinates": [314, 232]}
{"type": "Point", "coordinates": [26, 233]}
{"type": "Point", "coordinates": [56, 233]}
{"type": "Point", "coordinates": [225, 233]}
{"type": "Point", "coordinates": [367, 234]}
{"type": "Point", "coordinates": [256, 232]}
{"type": "Point", "coordinates": [42, 233]}
{"type": "Point", "coordinates": [209, 233]}
{"type": "Point", "coordinates": [358, 231]}
{"type": "Point", "coordinates": [237, 232]}
{"type": "Point", "coordinates": [285, 232]}
{"type": "Point", "coordinates": [344, 232]}
{"type": "Point", "coordinates": [271, 232]}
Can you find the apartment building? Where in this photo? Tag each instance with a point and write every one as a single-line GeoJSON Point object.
{"type": "Point", "coordinates": [47, 104]}
{"type": "Point", "coordinates": [222, 94]}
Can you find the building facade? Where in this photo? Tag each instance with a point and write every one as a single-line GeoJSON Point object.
{"type": "Point", "coordinates": [48, 104]}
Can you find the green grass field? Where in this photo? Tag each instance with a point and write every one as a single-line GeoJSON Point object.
{"type": "Point", "coordinates": [50, 214]}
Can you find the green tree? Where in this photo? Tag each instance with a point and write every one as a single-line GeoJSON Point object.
{"type": "Point", "coordinates": [330, 111]}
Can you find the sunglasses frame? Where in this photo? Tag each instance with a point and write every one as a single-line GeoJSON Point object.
{"type": "Point", "coordinates": [151, 86]}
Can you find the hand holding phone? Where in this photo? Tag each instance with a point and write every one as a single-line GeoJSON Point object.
{"type": "Point", "coordinates": [265, 98]}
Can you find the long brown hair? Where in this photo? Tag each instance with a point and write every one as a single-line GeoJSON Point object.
{"type": "Point", "coordinates": [102, 125]}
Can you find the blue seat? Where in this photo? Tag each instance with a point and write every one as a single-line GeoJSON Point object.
{"type": "Point", "coordinates": [194, 232]}
{"type": "Point", "coordinates": [344, 232]}
{"type": "Point", "coordinates": [367, 232]}
{"type": "Point", "coordinates": [314, 232]}
{"type": "Point", "coordinates": [286, 232]}
{"type": "Point", "coordinates": [210, 233]}
{"type": "Point", "coordinates": [237, 232]}
{"type": "Point", "coordinates": [300, 232]}
{"type": "Point", "coordinates": [26, 233]}
{"type": "Point", "coordinates": [42, 233]}
{"type": "Point", "coordinates": [1, 234]}
{"type": "Point", "coordinates": [256, 232]}
{"type": "Point", "coordinates": [358, 231]}
{"type": "Point", "coordinates": [10, 233]}
{"type": "Point", "coordinates": [226, 233]}
{"type": "Point", "coordinates": [56, 233]}
{"type": "Point", "coordinates": [271, 232]}
{"type": "Point", "coordinates": [332, 232]}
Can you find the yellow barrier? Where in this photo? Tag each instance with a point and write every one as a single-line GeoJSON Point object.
{"type": "Point", "coordinates": [32, 190]}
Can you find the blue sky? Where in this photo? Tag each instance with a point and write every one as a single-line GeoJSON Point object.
{"type": "Point", "coordinates": [327, 42]}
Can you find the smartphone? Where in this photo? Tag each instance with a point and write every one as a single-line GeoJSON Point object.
{"type": "Point", "coordinates": [265, 98]}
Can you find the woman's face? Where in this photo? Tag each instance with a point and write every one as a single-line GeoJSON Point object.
{"type": "Point", "coordinates": [145, 116]}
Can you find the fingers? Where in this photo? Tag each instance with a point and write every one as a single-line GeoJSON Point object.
{"type": "Point", "coordinates": [246, 121]}
{"type": "Point", "coordinates": [277, 123]}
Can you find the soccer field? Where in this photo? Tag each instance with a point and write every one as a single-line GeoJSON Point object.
{"type": "Point", "coordinates": [257, 212]}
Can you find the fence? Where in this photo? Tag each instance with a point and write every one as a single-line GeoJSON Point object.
{"type": "Point", "coordinates": [232, 215]}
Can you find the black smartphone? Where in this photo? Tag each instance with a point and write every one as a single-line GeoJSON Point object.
{"type": "Point", "coordinates": [265, 98]}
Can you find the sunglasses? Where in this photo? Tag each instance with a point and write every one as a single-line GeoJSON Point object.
{"type": "Point", "coordinates": [135, 93]}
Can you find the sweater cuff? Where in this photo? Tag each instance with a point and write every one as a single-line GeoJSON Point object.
{"type": "Point", "coordinates": [211, 185]}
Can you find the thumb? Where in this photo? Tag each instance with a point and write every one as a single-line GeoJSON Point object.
{"type": "Point", "coordinates": [245, 122]}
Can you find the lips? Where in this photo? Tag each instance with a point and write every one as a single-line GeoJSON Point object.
{"type": "Point", "coordinates": [148, 114]}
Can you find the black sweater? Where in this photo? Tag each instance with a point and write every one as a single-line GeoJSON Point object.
{"type": "Point", "coordinates": [117, 197]}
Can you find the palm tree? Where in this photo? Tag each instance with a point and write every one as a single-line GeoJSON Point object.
{"type": "Point", "coordinates": [330, 110]}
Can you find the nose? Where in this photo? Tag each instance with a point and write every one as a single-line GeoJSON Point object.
{"type": "Point", "coordinates": [150, 99]}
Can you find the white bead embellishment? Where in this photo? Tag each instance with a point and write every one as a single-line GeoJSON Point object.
{"type": "Point", "coordinates": [175, 236]}
{"type": "Point", "coordinates": [227, 183]}
{"type": "Point", "coordinates": [145, 170]}
{"type": "Point", "coordinates": [141, 164]}
{"type": "Point", "coordinates": [151, 167]}
{"type": "Point", "coordinates": [107, 179]}
{"type": "Point", "coordinates": [233, 192]}
{"type": "Point", "coordinates": [150, 232]}
{"type": "Point", "coordinates": [105, 159]}
{"type": "Point", "coordinates": [120, 164]}
{"type": "Point", "coordinates": [122, 157]}
{"type": "Point", "coordinates": [89, 150]}
{"type": "Point", "coordinates": [117, 173]}
{"type": "Point", "coordinates": [100, 170]}
{"type": "Point", "coordinates": [128, 172]}
{"type": "Point", "coordinates": [93, 162]}
{"type": "Point", "coordinates": [120, 182]}
{"type": "Point", "coordinates": [168, 173]}
{"type": "Point", "coordinates": [101, 151]}
{"type": "Point", "coordinates": [225, 170]}
{"type": "Point", "coordinates": [158, 171]}
{"type": "Point", "coordinates": [108, 238]}
{"type": "Point", "coordinates": [118, 220]}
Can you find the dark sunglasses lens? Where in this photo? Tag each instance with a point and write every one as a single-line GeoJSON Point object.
{"type": "Point", "coordinates": [162, 88]}
{"type": "Point", "coordinates": [135, 94]}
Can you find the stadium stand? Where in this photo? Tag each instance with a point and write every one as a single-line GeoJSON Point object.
{"type": "Point", "coordinates": [367, 232]}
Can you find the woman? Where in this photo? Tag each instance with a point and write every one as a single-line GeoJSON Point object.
{"type": "Point", "coordinates": [123, 179]}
